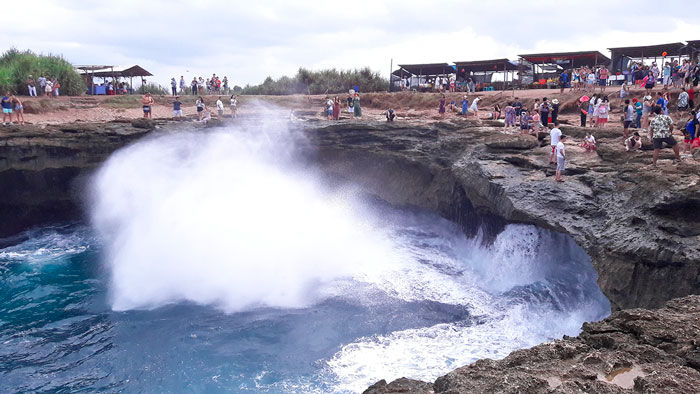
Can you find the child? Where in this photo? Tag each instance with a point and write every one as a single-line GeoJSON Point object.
{"type": "Point", "coordinates": [524, 122]}
{"type": "Point", "coordinates": [633, 143]}
{"type": "Point", "coordinates": [561, 158]}
{"type": "Point", "coordinates": [536, 122]}
{"type": "Point", "coordinates": [234, 106]}
{"type": "Point", "coordinates": [496, 112]}
{"type": "Point", "coordinates": [220, 107]}
{"type": "Point", "coordinates": [177, 108]}
{"type": "Point", "coordinates": [589, 142]}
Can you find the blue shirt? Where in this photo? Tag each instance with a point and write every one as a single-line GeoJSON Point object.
{"type": "Point", "coordinates": [465, 105]}
{"type": "Point", "coordinates": [660, 102]}
{"type": "Point", "coordinates": [176, 105]}
{"type": "Point", "coordinates": [6, 102]}
{"type": "Point", "coordinates": [564, 77]}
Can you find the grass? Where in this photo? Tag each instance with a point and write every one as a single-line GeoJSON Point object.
{"type": "Point", "coordinates": [329, 81]}
{"type": "Point", "coordinates": [16, 66]}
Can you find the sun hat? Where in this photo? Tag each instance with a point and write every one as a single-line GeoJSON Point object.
{"type": "Point", "coordinates": [647, 97]}
{"type": "Point", "coordinates": [584, 99]}
{"type": "Point", "coordinates": [555, 101]}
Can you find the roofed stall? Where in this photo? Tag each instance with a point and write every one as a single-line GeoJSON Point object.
{"type": "Point", "coordinates": [546, 65]}
{"type": "Point", "coordinates": [693, 49]}
{"type": "Point", "coordinates": [418, 74]}
{"type": "Point", "coordinates": [104, 72]}
{"type": "Point", "coordinates": [622, 57]}
{"type": "Point", "coordinates": [483, 70]}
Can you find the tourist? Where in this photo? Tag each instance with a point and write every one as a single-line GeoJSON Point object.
{"type": "Point", "coordinates": [177, 108]}
{"type": "Point", "coordinates": [684, 74]}
{"type": "Point", "coordinates": [356, 105]}
{"type": "Point", "coordinates": [30, 86]}
{"type": "Point", "coordinates": [206, 116]}
{"type": "Point", "coordinates": [593, 109]}
{"type": "Point", "coordinates": [225, 83]}
{"type": "Point", "coordinates": [200, 107]}
{"type": "Point", "coordinates": [390, 115]}
{"type": "Point", "coordinates": [561, 158]}
{"type": "Point", "coordinates": [509, 120]}
{"type": "Point", "coordinates": [536, 106]}
{"type": "Point", "coordinates": [42, 84]}
{"type": "Point", "coordinates": [465, 105]}
{"type": "Point", "coordinates": [336, 108]}
{"type": "Point", "coordinates": [650, 82]}
{"type": "Point", "coordinates": [173, 86]}
{"type": "Point", "coordinates": [441, 106]}
{"type": "Point", "coordinates": [623, 92]}
{"type": "Point", "coordinates": [628, 117]}
{"type": "Point", "coordinates": [691, 128]}
{"type": "Point", "coordinates": [638, 111]}
{"type": "Point", "coordinates": [691, 97]}
{"type": "Point", "coordinates": [329, 108]}
{"type": "Point", "coordinates": [524, 122]}
{"type": "Point", "coordinates": [475, 107]}
{"type": "Point", "coordinates": [147, 105]}
{"type": "Point", "coordinates": [201, 85]}
{"type": "Point", "coordinates": [518, 108]}
{"type": "Point", "coordinates": [583, 107]}
{"type": "Point", "coordinates": [350, 101]}
{"type": "Point", "coordinates": [183, 85]}
{"type": "Point", "coordinates": [661, 130]}
{"type": "Point", "coordinates": [603, 112]}
{"type": "Point", "coordinates": [590, 81]}
{"type": "Point", "coordinates": [220, 107]}
{"type": "Point", "coordinates": [48, 87]}
{"type": "Point", "coordinates": [544, 112]}
{"type": "Point", "coordinates": [554, 136]}
{"type": "Point", "coordinates": [496, 112]}
{"type": "Point", "coordinates": [535, 124]}
{"type": "Point", "coordinates": [234, 106]}
{"type": "Point", "coordinates": [660, 102]}
{"type": "Point", "coordinates": [647, 108]}
{"type": "Point", "coordinates": [589, 142]}
{"type": "Point", "coordinates": [667, 75]}
{"type": "Point", "coordinates": [193, 85]}
{"type": "Point", "coordinates": [472, 87]}
{"type": "Point", "coordinates": [603, 76]}
{"type": "Point", "coordinates": [6, 104]}
{"type": "Point", "coordinates": [555, 110]}
{"type": "Point", "coordinates": [633, 143]}
{"type": "Point", "coordinates": [563, 81]}
{"type": "Point", "coordinates": [18, 109]}
{"type": "Point", "coordinates": [575, 86]}
{"type": "Point", "coordinates": [683, 100]}
{"type": "Point", "coordinates": [55, 86]}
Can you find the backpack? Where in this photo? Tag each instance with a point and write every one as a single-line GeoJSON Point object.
{"type": "Point", "coordinates": [603, 110]}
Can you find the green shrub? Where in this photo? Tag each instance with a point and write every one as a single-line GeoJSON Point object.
{"type": "Point", "coordinates": [16, 66]}
{"type": "Point", "coordinates": [152, 88]}
{"type": "Point", "coordinates": [321, 82]}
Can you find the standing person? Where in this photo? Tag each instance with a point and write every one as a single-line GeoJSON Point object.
{"type": "Point", "coordinates": [683, 100]}
{"type": "Point", "coordinates": [234, 106]}
{"type": "Point", "coordinates": [18, 109]}
{"type": "Point", "coordinates": [42, 84]}
{"type": "Point", "coordinates": [647, 108]}
{"type": "Point", "coordinates": [336, 108]}
{"type": "Point", "coordinates": [603, 112]}
{"type": "Point", "coordinates": [183, 85]}
{"type": "Point", "coordinates": [472, 88]}
{"type": "Point", "coordinates": [518, 108]}
{"type": "Point", "coordinates": [684, 74]}
{"type": "Point", "coordinates": [628, 117]}
{"type": "Point", "coordinates": [638, 111]}
{"type": "Point", "coordinates": [563, 81]}
{"type": "Point", "coordinates": [173, 86]}
{"type": "Point", "coordinates": [590, 81]}
{"type": "Point", "coordinates": [691, 97]}
{"type": "Point", "coordinates": [667, 75]}
{"type": "Point", "coordinates": [48, 87]}
{"type": "Point", "coordinates": [650, 83]}
{"type": "Point", "coordinates": [583, 107]}
{"type": "Point", "coordinates": [6, 104]}
{"type": "Point", "coordinates": [225, 83]}
{"type": "Point", "coordinates": [356, 105]}
{"type": "Point", "coordinates": [592, 109]}
{"type": "Point", "coordinates": [555, 110]}
{"type": "Point", "coordinates": [441, 109]}
{"type": "Point", "coordinates": [193, 85]}
{"type": "Point", "coordinates": [554, 136]}
{"type": "Point", "coordinates": [603, 78]}
{"type": "Point", "coordinates": [147, 105]}
{"type": "Point", "coordinates": [200, 86]}
{"type": "Point", "coordinates": [475, 107]}
{"type": "Point", "coordinates": [200, 107]}
{"type": "Point", "coordinates": [177, 108]}
{"type": "Point", "coordinates": [510, 116]}
{"type": "Point", "coordinates": [544, 112]}
{"type": "Point", "coordinates": [220, 107]}
{"type": "Point", "coordinates": [30, 86]}
{"type": "Point", "coordinates": [329, 108]}
{"type": "Point", "coordinates": [661, 130]}
{"type": "Point", "coordinates": [561, 158]}
{"type": "Point", "coordinates": [536, 106]}
{"type": "Point", "coordinates": [55, 86]}
{"type": "Point", "coordinates": [465, 106]}
{"type": "Point", "coordinates": [350, 100]}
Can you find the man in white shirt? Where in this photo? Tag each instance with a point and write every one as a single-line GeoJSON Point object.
{"type": "Point", "coordinates": [220, 107]}
{"type": "Point", "coordinates": [561, 158]}
{"type": "Point", "coordinates": [554, 137]}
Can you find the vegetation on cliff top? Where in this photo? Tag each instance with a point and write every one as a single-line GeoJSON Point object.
{"type": "Point", "coordinates": [16, 66]}
{"type": "Point", "coordinates": [321, 82]}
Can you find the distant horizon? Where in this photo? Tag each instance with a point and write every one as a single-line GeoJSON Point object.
{"type": "Point", "coordinates": [249, 42]}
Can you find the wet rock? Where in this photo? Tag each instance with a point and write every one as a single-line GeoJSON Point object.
{"type": "Point", "coordinates": [400, 386]}
{"type": "Point", "coordinates": [143, 123]}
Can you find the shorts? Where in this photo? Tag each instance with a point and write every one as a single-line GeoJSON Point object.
{"type": "Point", "coordinates": [649, 85]}
{"type": "Point", "coordinates": [659, 142]}
{"type": "Point", "coordinates": [146, 108]}
{"type": "Point", "coordinates": [554, 148]}
{"type": "Point", "coordinates": [330, 112]}
{"type": "Point", "coordinates": [7, 110]}
{"type": "Point", "coordinates": [602, 120]}
{"type": "Point", "coordinates": [200, 109]}
{"type": "Point", "coordinates": [603, 82]}
{"type": "Point", "coordinates": [177, 112]}
{"type": "Point", "coordinates": [220, 112]}
{"type": "Point", "coordinates": [561, 164]}
{"type": "Point", "coordinates": [627, 124]}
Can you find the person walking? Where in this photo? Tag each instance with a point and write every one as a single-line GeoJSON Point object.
{"type": "Point", "coordinates": [554, 137]}
{"type": "Point", "coordinates": [661, 131]}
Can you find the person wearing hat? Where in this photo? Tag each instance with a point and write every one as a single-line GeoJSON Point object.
{"type": "Point", "coordinates": [555, 110]}
{"type": "Point", "coordinates": [544, 112]}
{"type": "Point", "coordinates": [583, 107]}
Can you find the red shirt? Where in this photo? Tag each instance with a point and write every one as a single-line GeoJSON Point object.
{"type": "Point", "coordinates": [691, 93]}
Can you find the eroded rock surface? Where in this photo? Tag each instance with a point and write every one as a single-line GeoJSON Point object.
{"type": "Point", "coordinates": [632, 351]}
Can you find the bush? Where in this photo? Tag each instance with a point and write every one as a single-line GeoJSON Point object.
{"type": "Point", "coordinates": [321, 82]}
{"type": "Point", "coordinates": [152, 88]}
{"type": "Point", "coordinates": [16, 66]}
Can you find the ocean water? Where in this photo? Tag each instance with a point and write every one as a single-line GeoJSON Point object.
{"type": "Point", "coordinates": [217, 264]}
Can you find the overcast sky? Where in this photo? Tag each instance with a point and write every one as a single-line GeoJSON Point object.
{"type": "Point", "coordinates": [249, 40]}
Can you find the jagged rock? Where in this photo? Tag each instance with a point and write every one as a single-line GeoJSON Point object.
{"type": "Point", "coordinates": [400, 386]}
{"type": "Point", "coordinates": [143, 123]}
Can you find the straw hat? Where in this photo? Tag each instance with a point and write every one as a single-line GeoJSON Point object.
{"type": "Point", "coordinates": [555, 101]}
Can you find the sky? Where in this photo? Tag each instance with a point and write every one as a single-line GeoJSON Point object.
{"type": "Point", "coordinates": [250, 40]}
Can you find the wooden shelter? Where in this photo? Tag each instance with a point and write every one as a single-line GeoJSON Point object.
{"type": "Point", "coordinates": [96, 71]}
{"type": "Point", "coordinates": [623, 56]}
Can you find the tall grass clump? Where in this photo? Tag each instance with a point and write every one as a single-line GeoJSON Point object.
{"type": "Point", "coordinates": [152, 88]}
{"type": "Point", "coordinates": [321, 82]}
{"type": "Point", "coordinates": [16, 66]}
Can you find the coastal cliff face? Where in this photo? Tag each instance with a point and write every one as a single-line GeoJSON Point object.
{"type": "Point", "coordinates": [641, 226]}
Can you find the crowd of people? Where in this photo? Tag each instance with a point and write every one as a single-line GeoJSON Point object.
{"type": "Point", "coordinates": [203, 112]}
{"type": "Point", "coordinates": [199, 86]}
{"type": "Point", "coordinates": [48, 87]}
{"type": "Point", "coordinates": [332, 109]}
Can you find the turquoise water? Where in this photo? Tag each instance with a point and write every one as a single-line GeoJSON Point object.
{"type": "Point", "coordinates": [448, 302]}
